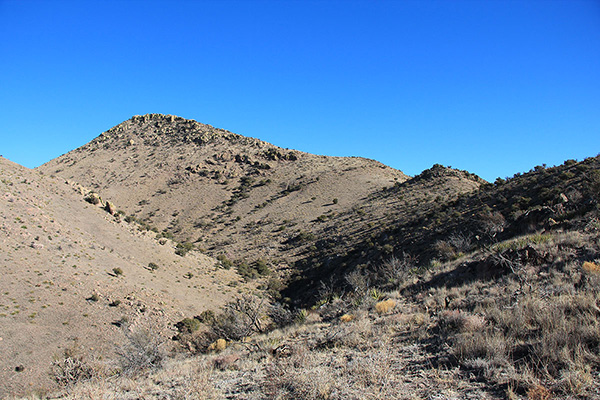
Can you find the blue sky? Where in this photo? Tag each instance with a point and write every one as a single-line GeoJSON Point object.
{"type": "Point", "coordinates": [493, 87]}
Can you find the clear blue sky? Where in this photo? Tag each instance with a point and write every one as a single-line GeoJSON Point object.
{"type": "Point", "coordinates": [494, 87]}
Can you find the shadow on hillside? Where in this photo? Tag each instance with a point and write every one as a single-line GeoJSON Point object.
{"type": "Point", "coordinates": [492, 267]}
{"type": "Point", "coordinates": [463, 274]}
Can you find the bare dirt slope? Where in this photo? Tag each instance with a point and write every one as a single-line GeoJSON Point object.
{"type": "Point", "coordinates": [57, 259]}
{"type": "Point", "coordinates": [237, 195]}
{"type": "Point", "coordinates": [209, 185]}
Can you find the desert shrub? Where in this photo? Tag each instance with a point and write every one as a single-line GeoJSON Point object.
{"type": "Point", "coordinates": [550, 338]}
{"type": "Point", "coordinates": [395, 270]}
{"type": "Point", "coordinates": [261, 267]}
{"type": "Point", "coordinates": [218, 345]}
{"type": "Point", "coordinates": [375, 294]}
{"type": "Point", "coordinates": [538, 392]}
{"type": "Point", "coordinates": [206, 317]}
{"type": "Point", "coordinates": [301, 316]}
{"type": "Point", "coordinates": [188, 325]}
{"type": "Point", "coordinates": [152, 266]}
{"type": "Point", "coordinates": [274, 288]}
{"type": "Point", "coordinates": [165, 234]}
{"type": "Point", "coordinates": [117, 271]}
{"type": "Point", "coordinates": [72, 368]}
{"type": "Point", "coordinates": [304, 237]}
{"type": "Point", "coordinates": [591, 268]}
{"type": "Point", "coordinates": [92, 198]}
{"type": "Point", "coordinates": [359, 281]}
{"type": "Point", "coordinates": [142, 351]}
{"type": "Point", "coordinates": [252, 271]}
{"type": "Point", "coordinates": [445, 250]}
{"type": "Point", "coordinates": [280, 315]}
{"type": "Point", "coordinates": [346, 318]}
{"type": "Point", "coordinates": [183, 248]}
{"type": "Point", "coordinates": [224, 261]}
{"type": "Point", "coordinates": [240, 318]}
{"type": "Point", "coordinates": [492, 223]}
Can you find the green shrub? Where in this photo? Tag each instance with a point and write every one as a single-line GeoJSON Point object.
{"type": "Point", "coordinates": [188, 325]}
{"type": "Point", "coordinates": [254, 270]}
{"type": "Point", "coordinates": [183, 248]}
{"type": "Point", "coordinates": [224, 261]}
{"type": "Point", "coordinates": [206, 317]}
{"type": "Point", "coordinates": [93, 198]}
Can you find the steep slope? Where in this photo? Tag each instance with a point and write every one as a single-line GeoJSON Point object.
{"type": "Point", "coordinates": [427, 229]}
{"type": "Point", "coordinates": [72, 272]}
{"type": "Point", "coordinates": [207, 185]}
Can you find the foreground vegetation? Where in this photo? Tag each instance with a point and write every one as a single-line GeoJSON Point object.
{"type": "Point", "coordinates": [516, 320]}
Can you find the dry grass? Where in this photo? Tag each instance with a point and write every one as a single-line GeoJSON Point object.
{"type": "Point", "coordinates": [526, 335]}
{"type": "Point", "coordinates": [218, 345]}
{"type": "Point", "coordinates": [591, 268]}
{"type": "Point", "coordinates": [385, 306]}
{"type": "Point", "coordinates": [346, 318]}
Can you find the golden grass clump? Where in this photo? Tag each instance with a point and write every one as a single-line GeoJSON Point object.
{"type": "Point", "coordinates": [346, 318]}
{"type": "Point", "coordinates": [591, 268]}
{"type": "Point", "coordinates": [219, 345]}
{"type": "Point", "coordinates": [538, 392]}
{"type": "Point", "coordinates": [384, 306]}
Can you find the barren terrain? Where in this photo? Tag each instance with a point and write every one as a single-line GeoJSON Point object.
{"type": "Point", "coordinates": [171, 259]}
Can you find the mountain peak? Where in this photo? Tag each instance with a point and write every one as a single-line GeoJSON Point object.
{"type": "Point", "coordinates": [161, 129]}
{"type": "Point", "coordinates": [438, 171]}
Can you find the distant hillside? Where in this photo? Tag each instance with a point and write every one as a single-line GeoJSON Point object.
{"type": "Point", "coordinates": [233, 195]}
{"type": "Point", "coordinates": [206, 185]}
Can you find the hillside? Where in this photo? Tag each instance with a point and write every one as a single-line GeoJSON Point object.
{"type": "Point", "coordinates": [240, 197]}
{"type": "Point", "coordinates": [371, 284]}
{"type": "Point", "coordinates": [59, 255]}
{"type": "Point", "coordinates": [499, 299]}
{"type": "Point", "coordinates": [430, 229]}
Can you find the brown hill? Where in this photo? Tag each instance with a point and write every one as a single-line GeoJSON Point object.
{"type": "Point", "coordinates": [489, 294]}
{"type": "Point", "coordinates": [236, 195]}
{"type": "Point", "coordinates": [72, 272]}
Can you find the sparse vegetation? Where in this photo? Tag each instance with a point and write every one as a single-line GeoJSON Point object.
{"type": "Point", "coordinates": [143, 350]}
{"type": "Point", "coordinates": [181, 249]}
{"type": "Point", "coordinates": [437, 286]}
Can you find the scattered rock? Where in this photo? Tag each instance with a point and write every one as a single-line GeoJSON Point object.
{"type": "Point", "coordinates": [93, 198]}
{"type": "Point", "coordinates": [110, 208]}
